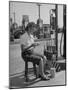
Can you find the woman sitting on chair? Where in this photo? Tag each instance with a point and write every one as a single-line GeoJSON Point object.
{"type": "Point", "coordinates": [28, 44]}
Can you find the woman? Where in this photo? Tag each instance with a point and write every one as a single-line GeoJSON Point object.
{"type": "Point", "coordinates": [28, 44]}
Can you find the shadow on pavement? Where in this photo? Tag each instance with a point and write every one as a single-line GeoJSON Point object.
{"type": "Point", "coordinates": [18, 80]}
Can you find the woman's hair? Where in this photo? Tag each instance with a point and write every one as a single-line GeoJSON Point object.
{"type": "Point", "coordinates": [30, 27]}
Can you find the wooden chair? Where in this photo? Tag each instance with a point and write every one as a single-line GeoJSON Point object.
{"type": "Point", "coordinates": [28, 59]}
{"type": "Point", "coordinates": [26, 68]}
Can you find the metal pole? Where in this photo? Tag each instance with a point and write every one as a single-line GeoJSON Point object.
{"type": "Point", "coordinates": [64, 30]}
{"type": "Point", "coordinates": [56, 30]}
{"type": "Point", "coordinates": [39, 9]}
{"type": "Point", "coordinates": [14, 17]}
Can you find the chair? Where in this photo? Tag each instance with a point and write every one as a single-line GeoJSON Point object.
{"type": "Point", "coordinates": [29, 59]}
{"type": "Point", "coordinates": [26, 68]}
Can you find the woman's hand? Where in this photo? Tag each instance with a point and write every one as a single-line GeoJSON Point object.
{"type": "Point", "coordinates": [36, 44]}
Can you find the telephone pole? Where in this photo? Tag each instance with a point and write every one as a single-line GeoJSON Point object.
{"type": "Point", "coordinates": [14, 17]}
{"type": "Point", "coordinates": [39, 9]}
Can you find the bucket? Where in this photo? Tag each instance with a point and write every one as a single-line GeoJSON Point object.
{"type": "Point", "coordinates": [52, 71]}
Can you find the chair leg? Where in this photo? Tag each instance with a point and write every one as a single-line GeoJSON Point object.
{"type": "Point", "coordinates": [35, 71]}
{"type": "Point", "coordinates": [26, 71]}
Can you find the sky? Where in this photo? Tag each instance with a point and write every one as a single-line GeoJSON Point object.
{"type": "Point", "coordinates": [31, 9]}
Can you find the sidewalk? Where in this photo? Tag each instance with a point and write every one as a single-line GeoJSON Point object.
{"type": "Point", "coordinates": [17, 67]}
{"type": "Point", "coordinates": [18, 81]}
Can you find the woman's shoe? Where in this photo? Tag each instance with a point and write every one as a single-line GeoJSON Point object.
{"type": "Point", "coordinates": [45, 78]}
{"type": "Point", "coordinates": [39, 76]}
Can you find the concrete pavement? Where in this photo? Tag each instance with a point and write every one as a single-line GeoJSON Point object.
{"type": "Point", "coordinates": [16, 72]}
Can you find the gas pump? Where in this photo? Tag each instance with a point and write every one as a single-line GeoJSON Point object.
{"type": "Point", "coordinates": [52, 18]}
{"type": "Point", "coordinates": [25, 21]}
{"type": "Point", "coordinates": [40, 28]}
{"type": "Point", "coordinates": [53, 47]}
